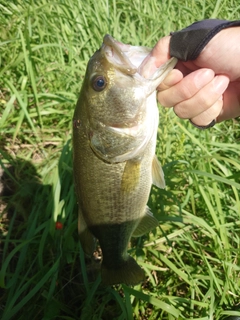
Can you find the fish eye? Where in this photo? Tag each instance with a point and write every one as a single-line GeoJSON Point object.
{"type": "Point", "coordinates": [99, 83]}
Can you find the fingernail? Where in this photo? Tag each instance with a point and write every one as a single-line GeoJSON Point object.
{"type": "Point", "coordinates": [202, 77]}
{"type": "Point", "coordinates": [220, 83]}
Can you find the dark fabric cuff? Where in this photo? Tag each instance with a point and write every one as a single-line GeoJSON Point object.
{"type": "Point", "coordinates": [187, 43]}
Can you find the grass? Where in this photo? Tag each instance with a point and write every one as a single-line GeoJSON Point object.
{"type": "Point", "coordinates": [192, 260]}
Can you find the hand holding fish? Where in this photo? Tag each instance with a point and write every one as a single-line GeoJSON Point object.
{"type": "Point", "coordinates": [207, 87]}
{"type": "Point", "coordinates": [115, 126]}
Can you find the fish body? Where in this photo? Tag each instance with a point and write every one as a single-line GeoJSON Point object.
{"type": "Point", "coordinates": [114, 139]}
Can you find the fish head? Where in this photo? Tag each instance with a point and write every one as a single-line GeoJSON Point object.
{"type": "Point", "coordinates": [115, 93]}
{"type": "Point", "coordinates": [114, 100]}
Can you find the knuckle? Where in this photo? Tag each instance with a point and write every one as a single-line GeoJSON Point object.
{"type": "Point", "coordinates": [204, 101]}
{"type": "Point", "coordinates": [181, 112]}
{"type": "Point", "coordinates": [162, 97]}
{"type": "Point", "coordinates": [187, 92]}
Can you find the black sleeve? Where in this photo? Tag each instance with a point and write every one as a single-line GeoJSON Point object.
{"type": "Point", "coordinates": [187, 43]}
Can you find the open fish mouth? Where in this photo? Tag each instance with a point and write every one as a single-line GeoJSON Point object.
{"type": "Point", "coordinates": [124, 57]}
{"type": "Point", "coordinates": [129, 60]}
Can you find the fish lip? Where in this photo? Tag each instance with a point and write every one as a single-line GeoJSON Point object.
{"type": "Point", "coordinates": [113, 52]}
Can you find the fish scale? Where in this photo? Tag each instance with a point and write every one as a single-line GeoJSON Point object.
{"type": "Point", "coordinates": [114, 139]}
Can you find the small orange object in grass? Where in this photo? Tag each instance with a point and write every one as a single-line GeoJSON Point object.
{"type": "Point", "coordinates": [58, 225]}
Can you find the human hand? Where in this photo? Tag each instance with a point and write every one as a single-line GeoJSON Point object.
{"type": "Point", "coordinates": [206, 88]}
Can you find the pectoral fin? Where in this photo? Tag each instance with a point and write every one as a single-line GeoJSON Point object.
{"type": "Point", "coordinates": [157, 173]}
{"type": "Point", "coordinates": [146, 224]}
{"type": "Point", "coordinates": [86, 238]}
{"type": "Point", "coordinates": [131, 175]}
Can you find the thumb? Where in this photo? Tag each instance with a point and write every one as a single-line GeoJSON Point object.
{"type": "Point", "coordinates": [158, 56]}
{"type": "Point", "coordinates": [161, 51]}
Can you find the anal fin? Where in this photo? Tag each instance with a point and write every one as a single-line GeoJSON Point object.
{"type": "Point", "coordinates": [146, 224]}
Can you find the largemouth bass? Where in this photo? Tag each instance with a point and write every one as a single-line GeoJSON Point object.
{"type": "Point", "coordinates": [114, 139]}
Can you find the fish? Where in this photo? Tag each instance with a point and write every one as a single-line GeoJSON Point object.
{"type": "Point", "coordinates": [115, 127]}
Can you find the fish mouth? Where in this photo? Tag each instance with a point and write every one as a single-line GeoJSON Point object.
{"type": "Point", "coordinates": [123, 56]}
{"type": "Point", "coordinates": [131, 61]}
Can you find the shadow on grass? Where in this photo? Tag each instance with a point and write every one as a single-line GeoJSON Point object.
{"type": "Point", "coordinates": [44, 274]}
{"type": "Point", "coordinates": [19, 185]}
{"type": "Point", "coordinates": [21, 194]}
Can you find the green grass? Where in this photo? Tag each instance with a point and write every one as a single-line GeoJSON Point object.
{"type": "Point", "coordinates": [192, 261]}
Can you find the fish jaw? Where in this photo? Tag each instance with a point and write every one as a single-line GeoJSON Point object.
{"type": "Point", "coordinates": [115, 55]}
{"type": "Point", "coordinates": [126, 57]}
{"type": "Point", "coordinates": [137, 61]}
{"type": "Point", "coordinates": [160, 74]}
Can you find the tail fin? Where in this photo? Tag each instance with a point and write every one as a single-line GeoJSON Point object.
{"type": "Point", "coordinates": [129, 273]}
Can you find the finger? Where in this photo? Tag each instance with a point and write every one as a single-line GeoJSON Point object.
{"type": "Point", "coordinates": [161, 51]}
{"type": "Point", "coordinates": [231, 102]}
{"type": "Point", "coordinates": [209, 115]}
{"type": "Point", "coordinates": [171, 79]}
{"type": "Point", "coordinates": [186, 88]}
{"type": "Point", "coordinates": [158, 56]}
{"type": "Point", "coordinates": [203, 99]}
